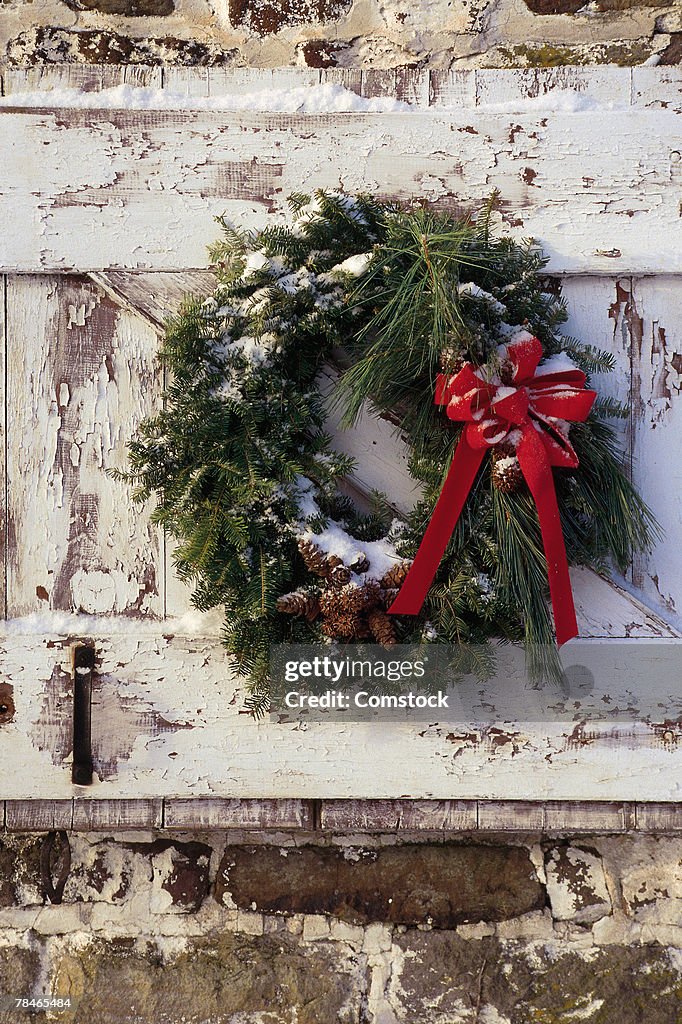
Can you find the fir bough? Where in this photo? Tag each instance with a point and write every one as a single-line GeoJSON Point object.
{"type": "Point", "coordinates": [242, 468]}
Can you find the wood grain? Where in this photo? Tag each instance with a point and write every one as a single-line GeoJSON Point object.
{"type": "Point", "coordinates": [236, 81]}
{"type": "Point", "coordinates": [607, 85]}
{"type": "Point", "coordinates": [571, 816]}
{"type": "Point", "coordinates": [656, 432]}
{"type": "Point", "coordinates": [155, 297]}
{"type": "Point", "coordinates": [511, 815]}
{"type": "Point", "coordinates": [219, 813]}
{"type": "Point", "coordinates": [145, 186]}
{"type": "Point", "coordinates": [343, 816]}
{"type": "Point", "coordinates": [398, 815]}
{"type": "Point", "coordinates": [82, 374]}
{"type": "Point", "coordinates": [171, 724]}
{"type": "Point", "coordinates": [95, 814]}
{"type": "Point", "coordinates": [38, 815]}
{"type": "Point", "coordinates": [659, 817]}
{"type": "Point", "coordinates": [3, 447]}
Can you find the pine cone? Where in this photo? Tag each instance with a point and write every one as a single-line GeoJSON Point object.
{"type": "Point", "coordinates": [381, 627]}
{"type": "Point", "coordinates": [394, 577]}
{"type": "Point", "coordinates": [331, 602]}
{"type": "Point", "coordinates": [300, 602]}
{"type": "Point", "coordinates": [373, 594]}
{"type": "Point", "coordinates": [506, 473]}
{"type": "Point", "coordinates": [352, 598]}
{"type": "Point", "coordinates": [344, 626]}
{"type": "Point", "coordinates": [314, 557]}
{"type": "Point", "coordinates": [339, 575]}
{"type": "Point", "coordinates": [507, 371]}
{"type": "Point", "coordinates": [360, 564]}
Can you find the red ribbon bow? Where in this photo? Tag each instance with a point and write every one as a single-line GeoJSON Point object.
{"type": "Point", "coordinates": [528, 413]}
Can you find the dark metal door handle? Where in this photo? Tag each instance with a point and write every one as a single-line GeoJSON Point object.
{"type": "Point", "coordinates": [83, 664]}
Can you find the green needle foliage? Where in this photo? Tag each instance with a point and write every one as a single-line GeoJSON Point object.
{"type": "Point", "coordinates": [441, 292]}
{"type": "Point", "coordinates": [240, 464]}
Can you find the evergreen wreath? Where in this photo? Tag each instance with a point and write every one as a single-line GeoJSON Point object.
{"type": "Point", "coordinates": [245, 475]}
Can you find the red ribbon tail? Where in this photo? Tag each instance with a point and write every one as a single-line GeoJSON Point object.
{"type": "Point", "coordinates": [458, 482]}
{"type": "Point", "coordinates": [538, 474]}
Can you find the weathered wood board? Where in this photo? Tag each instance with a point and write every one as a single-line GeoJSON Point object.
{"type": "Point", "coordinates": [637, 319]}
{"type": "Point", "coordinates": [657, 433]}
{"type": "Point", "coordinates": [659, 86]}
{"type": "Point", "coordinates": [143, 187]}
{"type": "Point", "coordinates": [82, 373]}
{"type": "Point", "coordinates": [3, 448]}
{"type": "Point", "coordinates": [167, 720]}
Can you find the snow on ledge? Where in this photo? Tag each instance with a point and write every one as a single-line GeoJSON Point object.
{"type": "Point", "coordinates": [314, 99]}
{"type": "Point", "coordinates": [55, 623]}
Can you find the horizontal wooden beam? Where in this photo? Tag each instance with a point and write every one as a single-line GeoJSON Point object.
{"type": "Point", "coordinates": [140, 189]}
{"type": "Point", "coordinates": [167, 722]}
{"type": "Point", "coordinates": [423, 88]}
{"type": "Point", "coordinates": [343, 816]}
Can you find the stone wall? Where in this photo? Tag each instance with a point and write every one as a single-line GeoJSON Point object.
{"type": "Point", "coordinates": [341, 33]}
{"type": "Point", "coordinates": [256, 928]}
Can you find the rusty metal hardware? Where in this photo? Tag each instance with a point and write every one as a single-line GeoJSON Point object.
{"type": "Point", "coordinates": [83, 664]}
{"type": "Point", "coordinates": [55, 853]}
{"type": "Point", "coordinates": [6, 703]}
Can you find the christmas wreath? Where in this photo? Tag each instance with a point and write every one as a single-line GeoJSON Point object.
{"type": "Point", "coordinates": [454, 334]}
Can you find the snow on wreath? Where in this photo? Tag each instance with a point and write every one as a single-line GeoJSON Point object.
{"type": "Point", "coordinates": [448, 331]}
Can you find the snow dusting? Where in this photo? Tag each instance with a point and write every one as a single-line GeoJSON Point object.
{"type": "Point", "coordinates": [326, 98]}
{"type": "Point", "coordinates": [473, 290]}
{"type": "Point", "coordinates": [559, 363]}
{"type": "Point", "coordinates": [315, 99]}
{"type": "Point", "coordinates": [354, 265]}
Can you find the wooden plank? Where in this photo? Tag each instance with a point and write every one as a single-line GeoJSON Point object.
{"type": "Point", "coordinates": [96, 815]}
{"type": "Point", "coordinates": [659, 817]}
{"type": "Point", "coordinates": [398, 815]}
{"type": "Point", "coordinates": [453, 89]}
{"type": "Point", "coordinates": [604, 609]}
{"type": "Point", "coordinates": [657, 433]}
{"type": "Point", "coordinates": [349, 78]}
{"type": "Point", "coordinates": [584, 816]}
{"type": "Point", "coordinates": [236, 81]}
{"type": "Point", "coordinates": [85, 77]}
{"type": "Point", "coordinates": [156, 297]}
{"type": "Point", "coordinates": [608, 85]}
{"type": "Point", "coordinates": [38, 815]}
{"type": "Point", "coordinates": [3, 447]}
{"type": "Point", "coordinates": [139, 76]}
{"type": "Point", "coordinates": [409, 85]}
{"type": "Point", "coordinates": [511, 815]}
{"type": "Point", "coordinates": [147, 193]}
{"type": "Point", "coordinates": [243, 814]}
{"type": "Point", "coordinates": [168, 721]}
{"type": "Point", "coordinates": [82, 374]}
